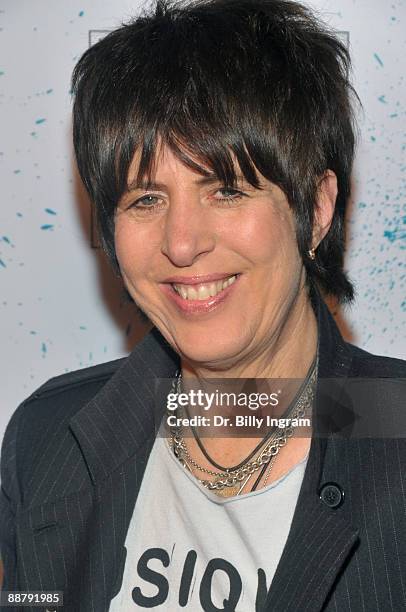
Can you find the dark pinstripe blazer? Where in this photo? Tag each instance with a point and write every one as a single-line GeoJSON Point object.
{"type": "Point", "coordinates": [73, 460]}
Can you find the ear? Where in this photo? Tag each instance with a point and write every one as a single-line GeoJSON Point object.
{"type": "Point", "coordinates": [325, 205]}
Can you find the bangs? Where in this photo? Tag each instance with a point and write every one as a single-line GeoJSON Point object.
{"type": "Point", "coordinates": [207, 157]}
{"type": "Point", "coordinates": [211, 109]}
{"type": "Point", "coordinates": [207, 140]}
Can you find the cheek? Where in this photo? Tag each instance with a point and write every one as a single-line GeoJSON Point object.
{"type": "Point", "coordinates": [132, 250]}
{"type": "Point", "coordinates": [268, 239]}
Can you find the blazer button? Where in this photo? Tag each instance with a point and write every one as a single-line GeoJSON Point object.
{"type": "Point", "coordinates": [332, 495]}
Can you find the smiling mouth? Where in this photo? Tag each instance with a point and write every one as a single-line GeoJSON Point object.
{"type": "Point", "coordinates": [202, 291]}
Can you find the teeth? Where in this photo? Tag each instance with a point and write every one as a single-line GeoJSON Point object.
{"type": "Point", "coordinates": [203, 291]}
{"type": "Point", "coordinates": [191, 293]}
{"type": "Point", "coordinates": [213, 289]}
{"type": "Point", "coordinates": [183, 292]}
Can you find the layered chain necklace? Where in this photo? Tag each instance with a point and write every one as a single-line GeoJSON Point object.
{"type": "Point", "coordinates": [231, 481]}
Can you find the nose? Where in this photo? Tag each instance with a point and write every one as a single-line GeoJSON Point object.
{"type": "Point", "coordinates": [188, 233]}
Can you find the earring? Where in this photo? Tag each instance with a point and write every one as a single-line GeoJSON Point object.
{"type": "Point", "coordinates": [312, 254]}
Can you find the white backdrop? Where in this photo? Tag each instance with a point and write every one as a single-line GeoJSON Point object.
{"type": "Point", "coordinates": [60, 307]}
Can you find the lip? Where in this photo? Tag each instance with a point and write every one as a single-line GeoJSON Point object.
{"type": "Point", "coordinates": [198, 279]}
{"type": "Point", "coordinates": [196, 307]}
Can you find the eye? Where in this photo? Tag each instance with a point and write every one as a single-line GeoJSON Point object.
{"type": "Point", "coordinates": [147, 203]}
{"type": "Point", "coordinates": [228, 194]}
{"type": "Point", "coordinates": [147, 200]}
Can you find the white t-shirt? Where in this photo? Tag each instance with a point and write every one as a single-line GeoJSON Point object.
{"type": "Point", "coordinates": [188, 549]}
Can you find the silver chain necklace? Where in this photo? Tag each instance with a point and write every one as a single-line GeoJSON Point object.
{"type": "Point", "coordinates": [232, 478]}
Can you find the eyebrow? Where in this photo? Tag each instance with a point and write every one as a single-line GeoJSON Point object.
{"type": "Point", "coordinates": [201, 181]}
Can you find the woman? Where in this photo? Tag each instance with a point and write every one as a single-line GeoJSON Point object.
{"type": "Point", "coordinates": [216, 141]}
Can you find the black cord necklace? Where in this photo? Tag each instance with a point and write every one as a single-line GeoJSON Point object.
{"type": "Point", "coordinates": [234, 467]}
{"type": "Point", "coordinates": [264, 439]}
{"type": "Point", "coordinates": [262, 472]}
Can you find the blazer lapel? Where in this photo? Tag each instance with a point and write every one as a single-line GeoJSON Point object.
{"type": "Point", "coordinates": [128, 410]}
{"type": "Point", "coordinates": [321, 536]}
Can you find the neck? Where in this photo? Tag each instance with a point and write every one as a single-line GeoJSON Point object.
{"type": "Point", "coordinates": [288, 353]}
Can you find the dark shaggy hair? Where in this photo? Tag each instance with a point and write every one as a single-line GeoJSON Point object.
{"type": "Point", "coordinates": [259, 81]}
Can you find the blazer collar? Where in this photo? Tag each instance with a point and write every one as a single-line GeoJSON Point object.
{"type": "Point", "coordinates": [125, 414]}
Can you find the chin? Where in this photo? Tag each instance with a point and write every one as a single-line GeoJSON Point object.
{"type": "Point", "coordinates": [209, 348]}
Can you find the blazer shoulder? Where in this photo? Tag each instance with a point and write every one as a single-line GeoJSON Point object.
{"type": "Point", "coordinates": [375, 366]}
{"type": "Point", "coordinates": [70, 381]}
{"type": "Point", "coordinates": [47, 409]}
{"type": "Point", "coordinates": [58, 399]}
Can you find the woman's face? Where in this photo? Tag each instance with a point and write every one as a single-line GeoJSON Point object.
{"type": "Point", "coordinates": [216, 270]}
